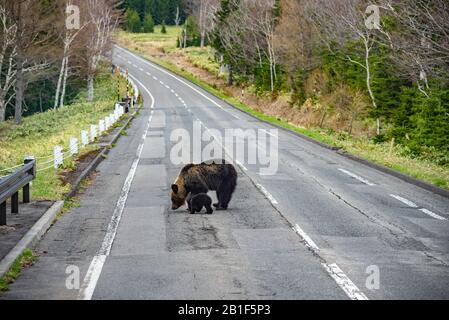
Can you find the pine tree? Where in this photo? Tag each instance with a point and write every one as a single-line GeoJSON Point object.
{"type": "Point", "coordinates": [133, 21]}
{"type": "Point", "coordinates": [148, 24]}
{"type": "Point", "coordinates": [163, 29]}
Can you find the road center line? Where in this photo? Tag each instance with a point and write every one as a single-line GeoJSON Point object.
{"type": "Point", "coordinates": [433, 215]}
{"type": "Point", "coordinates": [96, 266]}
{"type": "Point", "coordinates": [357, 177]}
{"type": "Point", "coordinates": [309, 242]}
{"type": "Point", "coordinates": [267, 194]}
{"type": "Point", "coordinates": [405, 201]}
{"type": "Point", "coordinates": [344, 282]}
{"type": "Point", "coordinates": [180, 80]}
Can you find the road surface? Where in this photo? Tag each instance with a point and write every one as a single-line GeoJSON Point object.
{"type": "Point", "coordinates": [322, 227]}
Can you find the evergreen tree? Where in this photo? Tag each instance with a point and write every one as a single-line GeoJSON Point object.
{"type": "Point", "coordinates": [148, 24]}
{"type": "Point", "coordinates": [163, 29]}
{"type": "Point", "coordinates": [133, 21]}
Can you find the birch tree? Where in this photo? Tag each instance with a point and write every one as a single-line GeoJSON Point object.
{"type": "Point", "coordinates": [104, 18]}
{"type": "Point", "coordinates": [70, 31]}
{"type": "Point", "coordinates": [7, 53]}
{"type": "Point", "coordinates": [342, 21]}
{"type": "Point", "coordinates": [34, 21]}
{"type": "Point", "coordinates": [204, 13]}
{"type": "Point", "coordinates": [421, 41]}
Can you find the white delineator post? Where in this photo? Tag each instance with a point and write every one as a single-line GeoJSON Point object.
{"type": "Point", "coordinates": [93, 132]}
{"type": "Point", "coordinates": [58, 156]}
{"type": "Point", "coordinates": [73, 146]}
{"type": "Point", "coordinates": [101, 127]}
{"type": "Point", "coordinates": [84, 138]}
{"type": "Point", "coordinates": [107, 122]}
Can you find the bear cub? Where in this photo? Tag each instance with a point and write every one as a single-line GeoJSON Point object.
{"type": "Point", "coordinates": [198, 201]}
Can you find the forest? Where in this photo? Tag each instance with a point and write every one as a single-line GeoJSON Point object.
{"type": "Point", "coordinates": [51, 50]}
{"type": "Point", "coordinates": [373, 68]}
{"type": "Point", "coordinates": [378, 69]}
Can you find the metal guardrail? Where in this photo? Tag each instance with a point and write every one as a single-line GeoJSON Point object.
{"type": "Point", "coordinates": [11, 184]}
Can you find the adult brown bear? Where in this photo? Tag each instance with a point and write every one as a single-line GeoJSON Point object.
{"type": "Point", "coordinates": [202, 178]}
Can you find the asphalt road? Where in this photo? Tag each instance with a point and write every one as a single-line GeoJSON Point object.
{"type": "Point", "coordinates": [321, 227]}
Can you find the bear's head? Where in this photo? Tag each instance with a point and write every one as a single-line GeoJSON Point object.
{"type": "Point", "coordinates": [178, 196]}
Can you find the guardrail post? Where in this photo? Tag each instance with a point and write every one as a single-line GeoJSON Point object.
{"type": "Point", "coordinates": [26, 188]}
{"type": "Point", "coordinates": [3, 214]}
{"type": "Point", "coordinates": [15, 203]}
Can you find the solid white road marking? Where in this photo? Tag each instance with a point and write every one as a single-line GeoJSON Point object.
{"type": "Point", "coordinates": [344, 282]}
{"type": "Point", "coordinates": [357, 177]}
{"type": "Point", "coordinates": [405, 201]}
{"type": "Point", "coordinates": [433, 215]}
{"type": "Point", "coordinates": [267, 194]}
{"type": "Point", "coordinates": [180, 80]}
{"type": "Point", "coordinates": [93, 274]}
{"type": "Point", "coordinates": [309, 242]}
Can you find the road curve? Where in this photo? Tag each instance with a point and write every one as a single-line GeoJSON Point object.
{"type": "Point", "coordinates": [322, 227]}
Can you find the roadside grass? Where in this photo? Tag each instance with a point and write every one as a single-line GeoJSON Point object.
{"type": "Point", "coordinates": [39, 133]}
{"type": "Point", "coordinates": [26, 259]}
{"type": "Point", "coordinates": [160, 41]}
{"type": "Point", "coordinates": [381, 153]}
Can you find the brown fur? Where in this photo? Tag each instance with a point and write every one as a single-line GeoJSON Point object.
{"type": "Point", "coordinates": [201, 178]}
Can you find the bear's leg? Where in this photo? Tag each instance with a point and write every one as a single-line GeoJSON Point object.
{"type": "Point", "coordinates": [225, 196]}
{"type": "Point", "coordinates": [209, 209]}
{"type": "Point", "coordinates": [217, 205]}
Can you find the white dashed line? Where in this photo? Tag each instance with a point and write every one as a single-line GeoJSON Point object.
{"type": "Point", "coordinates": [183, 82]}
{"type": "Point", "coordinates": [357, 177]}
{"type": "Point", "coordinates": [414, 205]}
{"type": "Point", "coordinates": [431, 214]}
{"type": "Point", "coordinates": [267, 194]}
{"type": "Point", "coordinates": [344, 282]}
{"type": "Point", "coordinates": [268, 132]}
{"type": "Point", "coordinates": [309, 242]}
{"type": "Point", "coordinates": [405, 201]}
{"type": "Point", "coordinates": [141, 69]}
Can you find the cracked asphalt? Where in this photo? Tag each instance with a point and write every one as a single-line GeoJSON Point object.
{"type": "Point", "coordinates": [313, 230]}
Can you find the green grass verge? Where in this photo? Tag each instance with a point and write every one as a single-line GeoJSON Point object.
{"type": "Point", "coordinates": [396, 159]}
{"type": "Point", "coordinates": [27, 258]}
{"type": "Point", "coordinates": [39, 133]}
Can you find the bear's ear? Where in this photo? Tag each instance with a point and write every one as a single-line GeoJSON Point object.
{"type": "Point", "coordinates": [175, 188]}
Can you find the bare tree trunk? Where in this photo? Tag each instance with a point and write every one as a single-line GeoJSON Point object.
{"type": "Point", "coordinates": [90, 88]}
{"type": "Point", "coordinates": [203, 38]}
{"type": "Point", "coordinates": [20, 87]}
{"type": "Point", "coordinates": [177, 18]}
{"type": "Point", "coordinates": [64, 81]}
{"type": "Point", "coordinates": [230, 76]}
{"type": "Point", "coordinates": [2, 110]}
{"type": "Point", "coordinates": [368, 83]}
{"type": "Point", "coordinates": [58, 86]}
